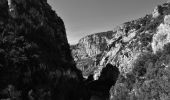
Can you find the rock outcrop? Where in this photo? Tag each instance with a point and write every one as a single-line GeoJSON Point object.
{"type": "Point", "coordinates": [140, 49]}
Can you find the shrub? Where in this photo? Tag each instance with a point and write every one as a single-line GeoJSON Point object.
{"type": "Point", "coordinates": [141, 63]}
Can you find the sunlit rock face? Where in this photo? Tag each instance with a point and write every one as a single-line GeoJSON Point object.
{"type": "Point", "coordinates": [162, 36]}
{"type": "Point", "coordinates": [89, 50]}
{"type": "Point", "coordinates": [140, 49]}
{"type": "Point", "coordinates": [156, 12]}
{"type": "Point", "coordinates": [35, 57]}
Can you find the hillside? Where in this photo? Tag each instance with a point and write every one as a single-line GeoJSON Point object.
{"type": "Point", "coordinates": [139, 48]}
{"type": "Point", "coordinates": [35, 57]}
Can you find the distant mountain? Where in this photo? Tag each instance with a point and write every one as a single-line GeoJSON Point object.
{"type": "Point", "coordinates": [139, 48]}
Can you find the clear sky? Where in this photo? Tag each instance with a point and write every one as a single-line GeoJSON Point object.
{"type": "Point", "coordinates": [84, 17]}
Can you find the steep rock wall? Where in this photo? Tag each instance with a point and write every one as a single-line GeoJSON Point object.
{"type": "Point", "coordinates": [89, 50]}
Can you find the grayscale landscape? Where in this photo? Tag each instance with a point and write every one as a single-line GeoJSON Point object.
{"type": "Point", "coordinates": [84, 50]}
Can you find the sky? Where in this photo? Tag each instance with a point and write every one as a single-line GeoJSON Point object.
{"type": "Point", "coordinates": [84, 17]}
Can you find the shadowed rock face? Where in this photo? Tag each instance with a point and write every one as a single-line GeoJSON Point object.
{"type": "Point", "coordinates": [100, 88]}
{"type": "Point", "coordinates": [35, 57]}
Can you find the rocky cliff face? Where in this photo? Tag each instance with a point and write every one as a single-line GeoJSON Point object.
{"type": "Point", "coordinates": [35, 57]}
{"type": "Point", "coordinates": [89, 50]}
{"type": "Point", "coordinates": [140, 49]}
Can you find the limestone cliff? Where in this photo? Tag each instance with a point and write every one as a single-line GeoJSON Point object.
{"type": "Point", "coordinates": [140, 49]}
{"type": "Point", "coordinates": [89, 50]}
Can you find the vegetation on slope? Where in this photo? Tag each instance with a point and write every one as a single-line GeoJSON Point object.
{"type": "Point", "coordinates": [35, 57]}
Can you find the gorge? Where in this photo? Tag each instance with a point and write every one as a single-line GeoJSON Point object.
{"type": "Point", "coordinates": [140, 50]}
{"type": "Point", "coordinates": [130, 62]}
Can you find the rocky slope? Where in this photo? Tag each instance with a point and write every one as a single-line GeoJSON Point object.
{"type": "Point", "coordinates": [139, 48]}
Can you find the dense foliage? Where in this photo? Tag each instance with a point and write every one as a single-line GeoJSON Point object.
{"type": "Point", "coordinates": [148, 80]}
{"type": "Point", "coordinates": [35, 58]}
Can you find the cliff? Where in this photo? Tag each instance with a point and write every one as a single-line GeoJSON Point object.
{"type": "Point", "coordinates": [88, 51]}
{"type": "Point", "coordinates": [139, 48]}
